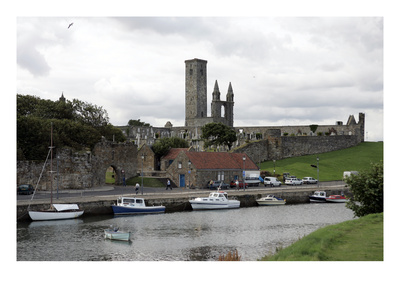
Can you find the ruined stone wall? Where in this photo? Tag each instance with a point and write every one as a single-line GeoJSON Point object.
{"type": "Point", "coordinates": [81, 169]}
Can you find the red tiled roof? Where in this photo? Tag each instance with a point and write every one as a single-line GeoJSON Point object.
{"type": "Point", "coordinates": [173, 153]}
{"type": "Point", "coordinates": [220, 160]}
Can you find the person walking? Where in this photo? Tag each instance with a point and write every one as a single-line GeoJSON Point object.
{"type": "Point", "coordinates": [169, 185]}
{"type": "Point", "coordinates": [137, 186]}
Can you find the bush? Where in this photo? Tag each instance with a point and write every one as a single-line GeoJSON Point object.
{"type": "Point", "coordinates": [367, 189]}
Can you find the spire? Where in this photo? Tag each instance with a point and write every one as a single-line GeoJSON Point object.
{"type": "Point", "coordinates": [229, 95]}
{"type": "Point", "coordinates": [62, 98]}
{"type": "Point", "coordinates": [216, 94]}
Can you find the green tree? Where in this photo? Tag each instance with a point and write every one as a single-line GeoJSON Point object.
{"type": "Point", "coordinates": [76, 124]}
{"type": "Point", "coordinates": [138, 123]}
{"type": "Point", "coordinates": [367, 189]}
{"type": "Point", "coordinates": [218, 134]}
{"type": "Point", "coordinates": [163, 145]}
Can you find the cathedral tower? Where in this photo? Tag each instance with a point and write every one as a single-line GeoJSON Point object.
{"type": "Point", "coordinates": [195, 91]}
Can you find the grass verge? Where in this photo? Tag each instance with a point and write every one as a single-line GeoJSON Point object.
{"type": "Point", "coordinates": [356, 240]}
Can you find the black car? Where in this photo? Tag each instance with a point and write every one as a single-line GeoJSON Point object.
{"type": "Point", "coordinates": [26, 189]}
{"type": "Point", "coordinates": [218, 184]}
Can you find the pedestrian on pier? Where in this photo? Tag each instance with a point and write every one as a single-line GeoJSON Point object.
{"type": "Point", "coordinates": [169, 185]}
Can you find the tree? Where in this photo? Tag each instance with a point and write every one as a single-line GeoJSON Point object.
{"type": "Point", "coordinates": [163, 145]}
{"type": "Point", "coordinates": [367, 189]}
{"type": "Point", "coordinates": [218, 134]}
{"type": "Point", "coordinates": [138, 123]}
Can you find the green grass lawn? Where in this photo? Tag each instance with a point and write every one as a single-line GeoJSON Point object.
{"type": "Point", "coordinates": [331, 164]}
{"type": "Point", "coordinates": [356, 240]}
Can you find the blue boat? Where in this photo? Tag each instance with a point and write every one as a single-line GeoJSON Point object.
{"type": "Point", "coordinates": [132, 206]}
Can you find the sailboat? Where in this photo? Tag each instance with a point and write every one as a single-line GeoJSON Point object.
{"type": "Point", "coordinates": [56, 211]}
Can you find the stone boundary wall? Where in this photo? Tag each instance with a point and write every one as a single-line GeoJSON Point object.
{"type": "Point", "coordinates": [293, 146]}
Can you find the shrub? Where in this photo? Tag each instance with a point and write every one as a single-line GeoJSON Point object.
{"type": "Point", "coordinates": [367, 189]}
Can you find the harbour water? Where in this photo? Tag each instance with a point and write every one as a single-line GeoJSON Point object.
{"type": "Point", "coordinates": [183, 236]}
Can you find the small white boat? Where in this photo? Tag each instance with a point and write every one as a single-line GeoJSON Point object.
{"type": "Point", "coordinates": [318, 196]}
{"type": "Point", "coordinates": [271, 200]}
{"type": "Point", "coordinates": [216, 200]}
{"type": "Point", "coordinates": [60, 212]}
{"type": "Point", "coordinates": [337, 199]}
{"type": "Point", "coordinates": [130, 206]}
{"type": "Point", "coordinates": [114, 233]}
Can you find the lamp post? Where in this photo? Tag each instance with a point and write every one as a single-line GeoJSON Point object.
{"type": "Point", "coordinates": [189, 171]}
{"type": "Point", "coordinates": [318, 170]}
{"type": "Point", "coordinates": [142, 172]}
{"type": "Point", "coordinates": [274, 167]}
{"type": "Point", "coordinates": [244, 172]}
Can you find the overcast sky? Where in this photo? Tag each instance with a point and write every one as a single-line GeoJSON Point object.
{"type": "Point", "coordinates": [284, 71]}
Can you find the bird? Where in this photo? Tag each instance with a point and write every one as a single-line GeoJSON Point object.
{"type": "Point", "coordinates": [70, 25]}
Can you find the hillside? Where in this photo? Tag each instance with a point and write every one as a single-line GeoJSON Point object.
{"type": "Point", "coordinates": [331, 164]}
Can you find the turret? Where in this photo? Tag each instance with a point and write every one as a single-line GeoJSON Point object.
{"type": "Point", "coordinates": [216, 94]}
{"type": "Point", "coordinates": [229, 95]}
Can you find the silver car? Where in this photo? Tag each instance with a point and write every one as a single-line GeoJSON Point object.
{"type": "Point", "coordinates": [309, 180]}
{"type": "Point", "coordinates": [293, 181]}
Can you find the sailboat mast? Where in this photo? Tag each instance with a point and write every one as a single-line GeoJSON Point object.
{"type": "Point", "coordinates": [51, 166]}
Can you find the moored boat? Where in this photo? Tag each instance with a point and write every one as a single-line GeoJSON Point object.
{"type": "Point", "coordinates": [59, 212]}
{"type": "Point", "coordinates": [215, 200]}
{"type": "Point", "coordinates": [114, 233]}
{"type": "Point", "coordinates": [337, 199]}
{"type": "Point", "coordinates": [133, 205]}
{"type": "Point", "coordinates": [318, 196]}
{"type": "Point", "coordinates": [56, 211]}
{"type": "Point", "coordinates": [271, 200]}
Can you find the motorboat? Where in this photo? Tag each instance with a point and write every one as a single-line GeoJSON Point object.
{"type": "Point", "coordinates": [318, 196]}
{"type": "Point", "coordinates": [271, 200]}
{"type": "Point", "coordinates": [216, 200]}
{"type": "Point", "coordinates": [114, 233]}
{"type": "Point", "coordinates": [133, 205]}
{"type": "Point", "coordinates": [337, 199]}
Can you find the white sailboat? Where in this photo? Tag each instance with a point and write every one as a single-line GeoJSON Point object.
{"type": "Point", "coordinates": [56, 211]}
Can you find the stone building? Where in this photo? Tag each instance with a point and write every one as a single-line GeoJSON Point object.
{"type": "Point", "coordinates": [196, 169]}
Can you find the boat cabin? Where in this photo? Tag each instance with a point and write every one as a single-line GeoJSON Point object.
{"type": "Point", "coordinates": [125, 201]}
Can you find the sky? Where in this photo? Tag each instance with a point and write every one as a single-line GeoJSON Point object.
{"type": "Point", "coordinates": [283, 70]}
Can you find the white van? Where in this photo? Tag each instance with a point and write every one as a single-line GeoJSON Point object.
{"type": "Point", "coordinates": [349, 173]}
{"type": "Point", "coordinates": [271, 181]}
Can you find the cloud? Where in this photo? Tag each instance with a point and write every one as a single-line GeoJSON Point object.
{"type": "Point", "coordinates": [288, 70]}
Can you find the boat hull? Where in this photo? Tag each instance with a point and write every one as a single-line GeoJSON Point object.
{"type": "Point", "coordinates": [54, 215]}
{"type": "Point", "coordinates": [205, 205]}
{"type": "Point", "coordinates": [117, 235]}
{"type": "Point", "coordinates": [270, 202]}
{"type": "Point", "coordinates": [317, 199]}
{"type": "Point", "coordinates": [126, 210]}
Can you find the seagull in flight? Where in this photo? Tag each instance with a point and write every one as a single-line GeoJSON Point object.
{"type": "Point", "coordinates": [70, 25]}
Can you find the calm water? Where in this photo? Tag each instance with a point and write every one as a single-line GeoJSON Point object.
{"type": "Point", "coordinates": [184, 236]}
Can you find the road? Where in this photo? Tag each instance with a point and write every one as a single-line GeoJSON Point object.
{"type": "Point", "coordinates": [110, 190]}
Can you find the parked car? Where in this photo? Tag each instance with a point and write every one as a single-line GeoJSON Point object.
{"type": "Point", "coordinates": [293, 181]}
{"type": "Point", "coordinates": [25, 189]}
{"type": "Point", "coordinates": [271, 181]}
{"type": "Point", "coordinates": [233, 184]}
{"type": "Point", "coordinates": [309, 180]}
{"type": "Point", "coordinates": [218, 184]}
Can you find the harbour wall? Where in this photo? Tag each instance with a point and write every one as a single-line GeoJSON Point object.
{"type": "Point", "coordinates": [174, 202]}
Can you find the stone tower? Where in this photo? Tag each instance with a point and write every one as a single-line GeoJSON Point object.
{"type": "Point", "coordinates": [195, 91]}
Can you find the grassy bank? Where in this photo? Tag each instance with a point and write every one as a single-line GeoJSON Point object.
{"type": "Point", "coordinates": [356, 240]}
{"type": "Point", "coordinates": [331, 164]}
